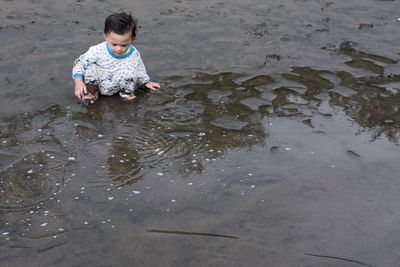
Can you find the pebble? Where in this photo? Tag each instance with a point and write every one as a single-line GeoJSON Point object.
{"type": "Point", "coordinates": [44, 224]}
{"type": "Point", "coordinates": [71, 158]}
{"type": "Point", "coordinates": [160, 173]}
{"type": "Point", "coordinates": [136, 192]}
{"type": "Point", "coordinates": [110, 198]}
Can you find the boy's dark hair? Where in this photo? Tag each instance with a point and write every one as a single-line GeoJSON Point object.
{"type": "Point", "coordinates": [120, 23]}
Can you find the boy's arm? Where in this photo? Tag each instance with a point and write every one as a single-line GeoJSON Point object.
{"type": "Point", "coordinates": [143, 78]}
{"type": "Point", "coordinates": [80, 88]}
{"type": "Point", "coordinates": [78, 71]}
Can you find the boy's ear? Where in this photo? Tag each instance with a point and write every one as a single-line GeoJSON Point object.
{"type": "Point", "coordinates": [105, 36]}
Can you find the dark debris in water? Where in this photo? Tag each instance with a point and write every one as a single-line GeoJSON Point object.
{"type": "Point", "coordinates": [271, 57]}
{"type": "Point", "coordinates": [338, 258]}
{"type": "Point", "coordinates": [175, 232]}
{"type": "Point", "coordinates": [364, 26]}
{"type": "Point", "coordinates": [352, 154]}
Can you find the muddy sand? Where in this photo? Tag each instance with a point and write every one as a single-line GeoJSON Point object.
{"type": "Point", "coordinates": [273, 142]}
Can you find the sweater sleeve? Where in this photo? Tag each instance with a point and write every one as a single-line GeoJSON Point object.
{"type": "Point", "coordinates": [142, 77]}
{"type": "Point", "coordinates": [83, 61]}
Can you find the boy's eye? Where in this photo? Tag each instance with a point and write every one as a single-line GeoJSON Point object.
{"type": "Point", "coordinates": [124, 45]}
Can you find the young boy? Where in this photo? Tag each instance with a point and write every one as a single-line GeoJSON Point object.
{"type": "Point", "coordinates": [114, 66]}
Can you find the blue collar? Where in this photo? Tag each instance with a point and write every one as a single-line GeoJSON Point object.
{"type": "Point", "coordinates": [131, 50]}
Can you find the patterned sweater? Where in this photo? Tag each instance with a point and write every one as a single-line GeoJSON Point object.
{"type": "Point", "coordinates": [112, 73]}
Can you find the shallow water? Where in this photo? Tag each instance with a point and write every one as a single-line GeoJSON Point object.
{"type": "Point", "coordinates": [274, 139]}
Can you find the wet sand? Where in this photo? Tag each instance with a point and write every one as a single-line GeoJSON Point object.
{"type": "Point", "coordinates": [273, 142]}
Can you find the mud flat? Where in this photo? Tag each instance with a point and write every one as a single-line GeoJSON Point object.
{"type": "Point", "coordinates": [273, 142]}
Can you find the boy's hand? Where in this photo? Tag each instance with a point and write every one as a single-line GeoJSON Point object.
{"type": "Point", "coordinates": [152, 86]}
{"type": "Point", "coordinates": [80, 88]}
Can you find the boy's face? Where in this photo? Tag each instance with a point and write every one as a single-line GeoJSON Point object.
{"type": "Point", "coordinates": [119, 44]}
